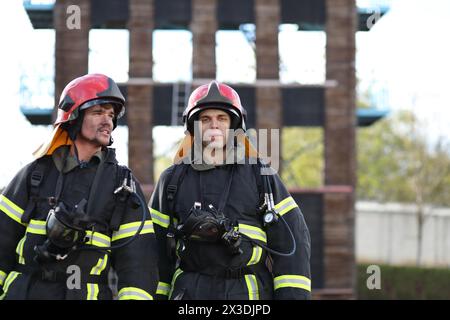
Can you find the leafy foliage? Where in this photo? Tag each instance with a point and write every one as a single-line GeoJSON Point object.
{"type": "Point", "coordinates": [401, 282]}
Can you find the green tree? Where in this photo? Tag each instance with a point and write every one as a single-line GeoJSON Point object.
{"type": "Point", "coordinates": [396, 162]}
{"type": "Point", "coordinates": [303, 163]}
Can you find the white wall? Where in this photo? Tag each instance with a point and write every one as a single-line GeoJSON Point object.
{"type": "Point", "coordinates": [387, 233]}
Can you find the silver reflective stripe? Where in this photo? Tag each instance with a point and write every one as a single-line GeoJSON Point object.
{"type": "Point", "coordinates": [100, 266]}
{"type": "Point", "coordinates": [163, 288]}
{"type": "Point", "coordinates": [253, 232]}
{"type": "Point", "coordinates": [19, 249]}
{"type": "Point", "coordinates": [294, 281]}
{"type": "Point", "coordinates": [98, 239]}
{"type": "Point", "coordinates": [10, 279]}
{"type": "Point", "coordinates": [37, 227]}
{"type": "Point", "coordinates": [285, 206]}
{"type": "Point", "coordinates": [133, 293]}
{"type": "Point", "coordinates": [256, 255]}
{"type": "Point", "coordinates": [2, 277]}
{"type": "Point", "coordinates": [160, 218]}
{"type": "Point", "coordinates": [130, 229]}
{"type": "Point", "coordinates": [11, 209]}
{"type": "Point", "coordinates": [252, 286]}
{"type": "Point", "coordinates": [92, 291]}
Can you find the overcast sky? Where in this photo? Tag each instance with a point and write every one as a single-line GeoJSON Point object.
{"type": "Point", "coordinates": [405, 58]}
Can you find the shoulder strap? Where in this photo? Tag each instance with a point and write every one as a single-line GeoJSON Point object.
{"type": "Point", "coordinates": [175, 179]}
{"type": "Point", "coordinates": [36, 178]}
{"type": "Point", "coordinates": [121, 201]}
{"type": "Point", "coordinates": [257, 171]}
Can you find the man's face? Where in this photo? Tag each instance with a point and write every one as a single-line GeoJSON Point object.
{"type": "Point", "coordinates": [214, 124]}
{"type": "Point", "coordinates": [98, 124]}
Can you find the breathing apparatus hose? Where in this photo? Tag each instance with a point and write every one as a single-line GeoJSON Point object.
{"type": "Point", "coordinates": [269, 200]}
{"type": "Point", "coordinates": [141, 226]}
{"type": "Point", "coordinates": [283, 254]}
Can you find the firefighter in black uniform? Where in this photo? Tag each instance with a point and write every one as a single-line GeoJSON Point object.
{"type": "Point", "coordinates": [73, 213]}
{"type": "Point", "coordinates": [226, 226]}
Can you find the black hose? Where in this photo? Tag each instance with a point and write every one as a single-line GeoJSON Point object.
{"type": "Point", "coordinates": [283, 254]}
{"type": "Point", "coordinates": [141, 226]}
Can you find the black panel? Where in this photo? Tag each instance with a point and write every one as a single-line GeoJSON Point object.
{"type": "Point", "coordinates": [176, 14]}
{"type": "Point", "coordinates": [173, 14]}
{"type": "Point", "coordinates": [232, 13]}
{"type": "Point", "coordinates": [366, 121]}
{"type": "Point", "coordinates": [124, 90]}
{"type": "Point", "coordinates": [303, 106]}
{"type": "Point", "coordinates": [308, 14]}
{"type": "Point", "coordinates": [39, 119]}
{"type": "Point", "coordinates": [162, 105]}
{"type": "Point", "coordinates": [109, 14]}
{"type": "Point", "coordinates": [311, 205]}
{"type": "Point", "coordinates": [41, 19]}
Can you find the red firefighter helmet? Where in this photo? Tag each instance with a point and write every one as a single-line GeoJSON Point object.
{"type": "Point", "coordinates": [87, 91]}
{"type": "Point", "coordinates": [81, 93]}
{"type": "Point", "coordinates": [214, 95]}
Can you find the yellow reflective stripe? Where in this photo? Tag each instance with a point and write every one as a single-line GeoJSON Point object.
{"type": "Point", "coordinates": [256, 255]}
{"type": "Point", "coordinates": [11, 209]}
{"type": "Point", "coordinates": [285, 206]}
{"type": "Point", "coordinates": [282, 202]}
{"type": "Point", "coordinates": [130, 229]}
{"type": "Point", "coordinates": [2, 277]}
{"type": "Point", "coordinates": [10, 279]}
{"type": "Point", "coordinates": [292, 281]}
{"type": "Point", "coordinates": [92, 291]}
{"type": "Point", "coordinates": [174, 278]}
{"type": "Point", "coordinates": [159, 218]}
{"type": "Point", "coordinates": [100, 266]}
{"type": "Point", "coordinates": [163, 288]}
{"type": "Point", "coordinates": [287, 209]}
{"type": "Point", "coordinates": [252, 287]}
{"type": "Point", "coordinates": [37, 227]}
{"type": "Point", "coordinates": [98, 239]}
{"type": "Point", "coordinates": [132, 293]}
{"type": "Point", "coordinates": [253, 232]}
{"type": "Point", "coordinates": [19, 249]}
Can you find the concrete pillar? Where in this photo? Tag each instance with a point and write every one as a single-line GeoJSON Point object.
{"type": "Point", "coordinates": [140, 97]}
{"type": "Point", "coordinates": [269, 113]}
{"type": "Point", "coordinates": [71, 42]}
{"type": "Point", "coordinates": [204, 26]}
{"type": "Point", "coordinates": [340, 155]}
